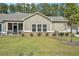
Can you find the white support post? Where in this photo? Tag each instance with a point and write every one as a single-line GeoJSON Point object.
{"type": "Point", "coordinates": [12, 27]}
{"type": "Point", "coordinates": [17, 28]}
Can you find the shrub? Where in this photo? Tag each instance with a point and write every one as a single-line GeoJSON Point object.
{"type": "Point", "coordinates": [31, 54]}
{"type": "Point", "coordinates": [54, 34]}
{"type": "Point", "coordinates": [61, 34]}
{"type": "Point", "coordinates": [31, 34]}
{"type": "Point", "coordinates": [39, 34]}
{"type": "Point", "coordinates": [22, 34]}
{"type": "Point", "coordinates": [66, 34]}
{"type": "Point", "coordinates": [77, 33]}
{"type": "Point", "coordinates": [46, 34]}
{"type": "Point", "coordinates": [21, 54]}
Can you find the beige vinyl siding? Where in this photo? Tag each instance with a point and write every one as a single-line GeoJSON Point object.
{"type": "Point", "coordinates": [59, 26]}
{"type": "Point", "coordinates": [36, 19]}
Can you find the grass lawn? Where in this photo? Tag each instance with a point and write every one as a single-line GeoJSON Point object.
{"type": "Point", "coordinates": [38, 46]}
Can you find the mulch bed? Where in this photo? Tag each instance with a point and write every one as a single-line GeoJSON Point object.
{"type": "Point", "coordinates": [71, 43]}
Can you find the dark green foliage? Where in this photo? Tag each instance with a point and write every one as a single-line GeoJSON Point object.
{"type": "Point", "coordinates": [22, 34]}
{"type": "Point", "coordinates": [39, 34]}
{"type": "Point", "coordinates": [45, 8]}
{"type": "Point", "coordinates": [61, 34]}
{"type": "Point", "coordinates": [77, 33]}
{"type": "Point", "coordinates": [3, 8]}
{"type": "Point", "coordinates": [66, 34]}
{"type": "Point", "coordinates": [31, 34]}
{"type": "Point", "coordinates": [47, 34]}
{"type": "Point", "coordinates": [21, 54]}
{"type": "Point", "coordinates": [54, 34]}
{"type": "Point", "coordinates": [31, 54]}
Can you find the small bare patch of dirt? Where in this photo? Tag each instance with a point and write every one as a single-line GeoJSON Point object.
{"type": "Point", "coordinates": [71, 43]}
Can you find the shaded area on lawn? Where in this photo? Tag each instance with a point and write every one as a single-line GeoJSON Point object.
{"type": "Point", "coordinates": [71, 43]}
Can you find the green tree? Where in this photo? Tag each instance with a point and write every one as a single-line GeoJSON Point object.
{"type": "Point", "coordinates": [12, 8]}
{"type": "Point", "coordinates": [75, 18]}
{"type": "Point", "coordinates": [33, 8]}
{"type": "Point", "coordinates": [71, 9]}
{"type": "Point", "coordinates": [45, 9]}
{"type": "Point", "coordinates": [22, 7]}
{"type": "Point", "coordinates": [18, 7]}
{"type": "Point", "coordinates": [3, 8]}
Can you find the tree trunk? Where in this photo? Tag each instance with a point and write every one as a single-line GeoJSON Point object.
{"type": "Point", "coordinates": [71, 32]}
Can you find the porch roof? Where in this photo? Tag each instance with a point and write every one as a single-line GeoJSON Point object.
{"type": "Point", "coordinates": [58, 18]}
{"type": "Point", "coordinates": [18, 16]}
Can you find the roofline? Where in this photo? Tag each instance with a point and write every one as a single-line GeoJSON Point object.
{"type": "Point", "coordinates": [13, 20]}
{"type": "Point", "coordinates": [60, 20]}
{"type": "Point", "coordinates": [50, 19]}
{"type": "Point", "coordinates": [35, 14]}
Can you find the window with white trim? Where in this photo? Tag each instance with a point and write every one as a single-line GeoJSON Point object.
{"type": "Point", "coordinates": [20, 26]}
{"type": "Point", "coordinates": [39, 27]}
{"type": "Point", "coordinates": [44, 27]}
{"type": "Point", "coordinates": [33, 27]}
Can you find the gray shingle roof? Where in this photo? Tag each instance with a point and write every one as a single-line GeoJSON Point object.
{"type": "Point", "coordinates": [14, 16]}
{"type": "Point", "coordinates": [58, 18]}
{"type": "Point", "coordinates": [18, 16]}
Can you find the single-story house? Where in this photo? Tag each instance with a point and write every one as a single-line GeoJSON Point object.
{"type": "Point", "coordinates": [18, 22]}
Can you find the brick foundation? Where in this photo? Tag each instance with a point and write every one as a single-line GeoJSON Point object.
{"type": "Point", "coordinates": [37, 33]}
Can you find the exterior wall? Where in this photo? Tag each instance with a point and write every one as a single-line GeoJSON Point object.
{"type": "Point", "coordinates": [36, 19]}
{"type": "Point", "coordinates": [59, 26]}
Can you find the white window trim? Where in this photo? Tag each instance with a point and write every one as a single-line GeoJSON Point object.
{"type": "Point", "coordinates": [27, 30]}
{"type": "Point", "coordinates": [37, 27]}
{"type": "Point", "coordinates": [43, 28]}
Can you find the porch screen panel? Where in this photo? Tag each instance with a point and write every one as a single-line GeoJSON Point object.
{"type": "Point", "coordinates": [9, 26]}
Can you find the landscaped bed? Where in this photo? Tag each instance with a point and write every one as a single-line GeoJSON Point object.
{"type": "Point", "coordinates": [17, 45]}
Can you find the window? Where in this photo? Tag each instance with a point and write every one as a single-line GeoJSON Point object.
{"type": "Point", "coordinates": [44, 27]}
{"type": "Point", "coordinates": [20, 26]}
{"type": "Point", "coordinates": [9, 26]}
{"type": "Point", "coordinates": [34, 27]}
{"type": "Point", "coordinates": [0, 27]}
{"type": "Point", "coordinates": [39, 27]}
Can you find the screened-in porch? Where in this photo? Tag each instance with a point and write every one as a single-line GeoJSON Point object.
{"type": "Point", "coordinates": [15, 28]}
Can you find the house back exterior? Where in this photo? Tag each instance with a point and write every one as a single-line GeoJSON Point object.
{"type": "Point", "coordinates": [18, 23]}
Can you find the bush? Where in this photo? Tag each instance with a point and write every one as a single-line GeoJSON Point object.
{"type": "Point", "coordinates": [39, 34]}
{"type": "Point", "coordinates": [54, 34]}
{"type": "Point", "coordinates": [46, 34]}
{"type": "Point", "coordinates": [31, 54]}
{"type": "Point", "coordinates": [22, 34]}
{"type": "Point", "coordinates": [21, 54]}
{"type": "Point", "coordinates": [61, 34]}
{"type": "Point", "coordinates": [66, 34]}
{"type": "Point", "coordinates": [31, 34]}
{"type": "Point", "coordinates": [77, 33]}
